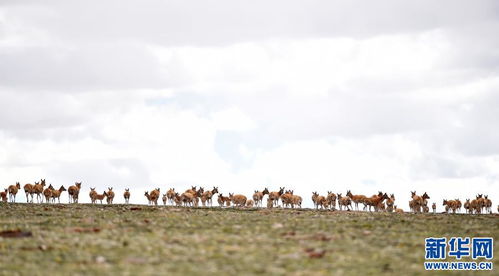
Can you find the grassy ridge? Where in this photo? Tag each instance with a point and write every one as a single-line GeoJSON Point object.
{"type": "Point", "coordinates": [132, 240]}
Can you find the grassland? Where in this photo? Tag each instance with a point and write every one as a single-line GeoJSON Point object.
{"type": "Point", "coordinates": [142, 240]}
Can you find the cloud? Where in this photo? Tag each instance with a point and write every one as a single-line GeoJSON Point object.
{"type": "Point", "coordinates": [323, 95]}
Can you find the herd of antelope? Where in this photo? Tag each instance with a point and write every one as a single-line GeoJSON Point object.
{"type": "Point", "coordinates": [379, 202]}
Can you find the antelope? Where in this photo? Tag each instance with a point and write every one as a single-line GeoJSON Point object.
{"type": "Point", "coordinates": [481, 202]}
{"type": "Point", "coordinates": [57, 194]}
{"type": "Point", "coordinates": [206, 196]}
{"type": "Point", "coordinates": [92, 194]}
{"type": "Point", "coordinates": [418, 201]}
{"type": "Point", "coordinates": [99, 197]}
{"type": "Point", "coordinates": [458, 205]}
{"type": "Point", "coordinates": [154, 196]}
{"type": "Point", "coordinates": [192, 190]}
{"type": "Point", "coordinates": [475, 206]}
{"type": "Point", "coordinates": [74, 192]}
{"type": "Point", "coordinates": [110, 195]}
{"type": "Point", "coordinates": [126, 195]}
{"type": "Point", "coordinates": [397, 210]}
{"type": "Point", "coordinates": [29, 190]}
{"type": "Point", "coordinates": [3, 195]}
{"type": "Point", "coordinates": [250, 203]}
{"type": "Point", "coordinates": [221, 200]}
{"type": "Point", "coordinates": [170, 194]}
{"type": "Point", "coordinates": [165, 199]}
{"type": "Point", "coordinates": [375, 201]}
{"type": "Point", "coordinates": [297, 201]}
{"type": "Point", "coordinates": [47, 193]}
{"type": "Point", "coordinates": [197, 195]}
{"type": "Point", "coordinates": [389, 203]}
{"type": "Point", "coordinates": [434, 207]}
{"type": "Point", "coordinates": [344, 201]}
{"type": "Point", "coordinates": [449, 205]}
{"type": "Point", "coordinates": [258, 196]}
{"type": "Point", "coordinates": [187, 198]}
{"type": "Point", "coordinates": [276, 195]}
{"type": "Point", "coordinates": [287, 199]}
{"type": "Point", "coordinates": [331, 200]}
{"type": "Point", "coordinates": [356, 199]}
{"type": "Point", "coordinates": [318, 200]}
{"type": "Point", "coordinates": [178, 199]}
{"type": "Point", "coordinates": [488, 204]}
{"type": "Point", "coordinates": [38, 190]}
{"type": "Point", "coordinates": [13, 191]}
{"type": "Point", "coordinates": [237, 200]}
{"type": "Point", "coordinates": [467, 206]}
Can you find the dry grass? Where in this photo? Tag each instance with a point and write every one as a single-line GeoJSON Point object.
{"type": "Point", "coordinates": [133, 240]}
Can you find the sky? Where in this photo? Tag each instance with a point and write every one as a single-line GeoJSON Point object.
{"type": "Point", "coordinates": [391, 96]}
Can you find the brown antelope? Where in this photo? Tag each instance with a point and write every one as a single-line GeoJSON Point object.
{"type": "Point", "coordinates": [238, 200]}
{"type": "Point", "coordinates": [250, 203]}
{"type": "Point", "coordinates": [398, 210]}
{"type": "Point", "coordinates": [13, 191]}
{"type": "Point", "coordinates": [99, 197]}
{"type": "Point", "coordinates": [188, 198]}
{"type": "Point", "coordinates": [3, 195]}
{"type": "Point", "coordinates": [126, 195]}
{"type": "Point", "coordinates": [287, 199]}
{"type": "Point", "coordinates": [276, 195]}
{"type": "Point", "coordinates": [319, 201]}
{"type": "Point", "coordinates": [206, 197]}
{"type": "Point", "coordinates": [481, 202]}
{"type": "Point", "coordinates": [38, 190]}
{"type": "Point", "coordinates": [467, 206]}
{"type": "Point", "coordinates": [375, 201]}
{"type": "Point", "coordinates": [92, 194]}
{"type": "Point", "coordinates": [258, 196]}
{"type": "Point", "coordinates": [165, 199]}
{"type": "Point", "coordinates": [344, 201]}
{"type": "Point", "coordinates": [297, 200]}
{"type": "Point", "coordinates": [390, 203]}
{"type": "Point", "coordinates": [109, 195]}
{"type": "Point", "coordinates": [434, 207]}
{"type": "Point", "coordinates": [356, 199]}
{"type": "Point", "coordinates": [330, 200]}
{"type": "Point", "coordinates": [488, 204]}
{"type": "Point", "coordinates": [154, 196]}
{"type": "Point", "coordinates": [315, 200]}
{"type": "Point", "coordinates": [170, 194]}
{"type": "Point", "coordinates": [418, 201]}
{"type": "Point", "coordinates": [57, 194]}
{"type": "Point", "coordinates": [74, 192]}
{"type": "Point", "coordinates": [475, 206]}
{"type": "Point", "coordinates": [197, 196]}
{"type": "Point", "coordinates": [450, 205]}
{"type": "Point", "coordinates": [221, 200]}
{"type": "Point", "coordinates": [458, 205]}
{"type": "Point", "coordinates": [178, 199]}
{"type": "Point", "coordinates": [47, 193]}
{"type": "Point", "coordinates": [29, 190]}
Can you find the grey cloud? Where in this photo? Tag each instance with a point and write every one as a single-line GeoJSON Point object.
{"type": "Point", "coordinates": [215, 22]}
{"type": "Point", "coordinates": [100, 66]}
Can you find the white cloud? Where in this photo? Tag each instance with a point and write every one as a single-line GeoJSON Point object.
{"type": "Point", "coordinates": [318, 96]}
